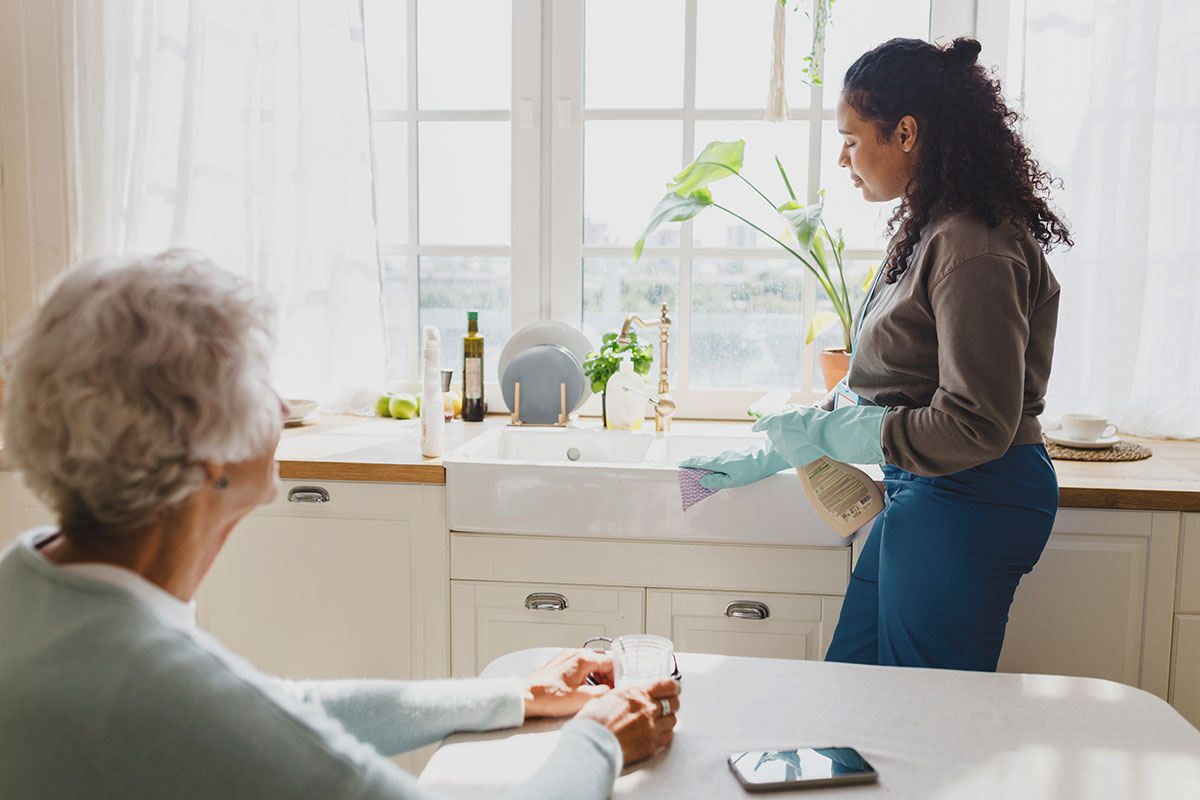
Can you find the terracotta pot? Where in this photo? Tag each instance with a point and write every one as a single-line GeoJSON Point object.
{"type": "Point", "coordinates": [834, 366]}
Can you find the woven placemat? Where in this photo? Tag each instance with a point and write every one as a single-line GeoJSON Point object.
{"type": "Point", "coordinates": [1121, 451]}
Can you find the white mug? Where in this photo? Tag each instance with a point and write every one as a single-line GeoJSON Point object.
{"type": "Point", "coordinates": [1087, 427]}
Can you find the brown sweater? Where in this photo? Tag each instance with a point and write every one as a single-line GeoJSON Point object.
{"type": "Point", "coordinates": [959, 348]}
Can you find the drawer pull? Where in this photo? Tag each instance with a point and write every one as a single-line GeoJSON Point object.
{"type": "Point", "coordinates": [747, 609]}
{"type": "Point", "coordinates": [546, 601]}
{"type": "Point", "coordinates": [307, 494]}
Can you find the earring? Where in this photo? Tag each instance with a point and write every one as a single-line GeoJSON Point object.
{"type": "Point", "coordinates": [222, 483]}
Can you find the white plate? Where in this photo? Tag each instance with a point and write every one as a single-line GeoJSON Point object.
{"type": "Point", "coordinates": [550, 331]}
{"type": "Point", "coordinates": [300, 409]}
{"type": "Point", "coordinates": [541, 369]}
{"type": "Point", "coordinates": [1058, 437]}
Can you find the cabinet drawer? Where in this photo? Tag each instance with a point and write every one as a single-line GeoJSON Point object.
{"type": "Point", "coordinates": [350, 500]}
{"type": "Point", "coordinates": [725, 623]}
{"type": "Point", "coordinates": [1188, 597]}
{"type": "Point", "coordinates": [488, 620]}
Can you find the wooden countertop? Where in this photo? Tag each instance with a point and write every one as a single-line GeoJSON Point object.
{"type": "Point", "coordinates": [363, 449]}
{"type": "Point", "coordinates": [343, 448]}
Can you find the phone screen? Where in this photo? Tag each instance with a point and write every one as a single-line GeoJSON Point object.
{"type": "Point", "coordinates": [765, 768]}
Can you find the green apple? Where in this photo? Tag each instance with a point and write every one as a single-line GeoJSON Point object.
{"type": "Point", "coordinates": [403, 406]}
{"type": "Point", "coordinates": [381, 405]}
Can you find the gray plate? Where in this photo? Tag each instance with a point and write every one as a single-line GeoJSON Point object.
{"type": "Point", "coordinates": [540, 369]}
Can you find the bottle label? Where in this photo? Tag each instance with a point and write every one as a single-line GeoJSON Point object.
{"type": "Point", "coordinates": [472, 382]}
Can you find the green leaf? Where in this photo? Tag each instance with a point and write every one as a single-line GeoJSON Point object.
{"type": "Point", "coordinates": [803, 221]}
{"type": "Point", "coordinates": [717, 160]}
{"type": "Point", "coordinates": [673, 208]}
{"type": "Point", "coordinates": [870, 278]}
{"type": "Point", "coordinates": [821, 322]}
{"type": "Point", "coordinates": [786, 182]}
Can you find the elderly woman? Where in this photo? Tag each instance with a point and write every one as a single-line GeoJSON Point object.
{"type": "Point", "coordinates": [138, 407]}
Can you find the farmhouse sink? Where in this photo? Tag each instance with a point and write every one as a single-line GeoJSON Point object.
{"type": "Point", "coordinates": [621, 485]}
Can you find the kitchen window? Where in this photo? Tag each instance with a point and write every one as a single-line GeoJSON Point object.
{"type": "Point", "coordinates": [518, 184]}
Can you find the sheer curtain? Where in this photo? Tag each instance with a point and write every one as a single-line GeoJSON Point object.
{"type": "Point", "coordinates": [240, 128]}
{"type": "Point", "coordinates": [1112, 96]}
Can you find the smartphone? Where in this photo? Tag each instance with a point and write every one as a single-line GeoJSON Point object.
{"type": "Point", "coordinates": [803, 767]}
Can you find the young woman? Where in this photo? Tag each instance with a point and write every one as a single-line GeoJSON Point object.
{"type": "Point", "coordinates": [950, 364]}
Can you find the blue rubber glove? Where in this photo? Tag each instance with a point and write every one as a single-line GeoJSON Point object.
{"type": "Point", "coordinates": [741, 467]}
{"type": "Point", "coordinates": [850, 434]}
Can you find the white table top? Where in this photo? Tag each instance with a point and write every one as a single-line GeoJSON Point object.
{"type": "Point", "coordinates": [929, 733]}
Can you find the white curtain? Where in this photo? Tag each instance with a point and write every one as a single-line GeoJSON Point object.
{"type": "Point", "coordinates": [240, 128]}
{"type": "Point", "coordinates": [1112, 96]}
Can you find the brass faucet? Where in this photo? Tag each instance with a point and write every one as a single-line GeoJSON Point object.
{"type": "Point", "coordinates": [664, 405]}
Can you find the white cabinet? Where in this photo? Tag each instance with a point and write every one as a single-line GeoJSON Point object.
{"type": "Point", "coordinates": [744, 623]}
{"type": "Point", "coordinates": [1185, 663]}
{"type": "Point", "coordinates": [354, 587]}
{"type": "Point", "coordinates": [687, 588]}
{"type": "Point", "coordinates": [21, 509]}
{"type": "Point", "coordinates": [491, 619]}
{"type": "Point", "coordinates": [1099, 602]}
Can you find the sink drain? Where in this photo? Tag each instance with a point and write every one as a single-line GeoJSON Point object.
{"type": "Point", "coordinates": [573, 454]}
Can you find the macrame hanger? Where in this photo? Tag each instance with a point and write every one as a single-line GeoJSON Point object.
{"type": "Point", "coordinates": [777, 108]}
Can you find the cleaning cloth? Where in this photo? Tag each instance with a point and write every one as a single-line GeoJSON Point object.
{"type": "Point", "coordinates": [689, 486]}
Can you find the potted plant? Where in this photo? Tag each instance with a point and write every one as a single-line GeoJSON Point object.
{"type": "Point", "coordinates": [600, 366]}
{"type": "Point", "coordinates": [688, 194]}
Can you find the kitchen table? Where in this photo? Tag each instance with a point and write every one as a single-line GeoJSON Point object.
{"type": "Point", "coordinates": [929, 733]}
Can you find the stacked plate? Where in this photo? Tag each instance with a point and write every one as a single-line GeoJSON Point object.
{"type": "Point", "coordinates": [546, 358]}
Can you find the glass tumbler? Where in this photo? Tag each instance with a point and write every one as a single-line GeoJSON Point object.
{"type": "Point", "coordinates": [641, 657]}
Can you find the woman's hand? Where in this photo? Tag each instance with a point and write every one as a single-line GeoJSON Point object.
{"type": "Point", "coordinates": [635, 715]}
{"type": "Point", "coordinates": [560, 688]}
{"type": "Point", "coordinates": [850, 434]}
{"type": "Point", "coordinates": [739, 467]}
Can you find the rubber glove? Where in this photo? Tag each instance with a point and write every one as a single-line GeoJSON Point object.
{"type": "Point", "coordinates": [850, 434]}
{"type": "Point", "coordinates": [742, 467]}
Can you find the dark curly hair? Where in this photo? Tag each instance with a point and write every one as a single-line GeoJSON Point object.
{"type": "Point", "coordinates": [971, 155]}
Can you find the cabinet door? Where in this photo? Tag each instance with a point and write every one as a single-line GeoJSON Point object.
{"type": "Point", "coordinates": [488, 620]}
{"type": "Point", "coordinates": [1185, 668]}
{"type": "Point", "coordinates": [744, 624]}
{"type": "Point", "coordinates": [325, 591]}
{"type": "Point", "coordinates": [1099, 602]}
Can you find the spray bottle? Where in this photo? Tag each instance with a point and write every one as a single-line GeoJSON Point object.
{"type": "Point", "coordinates": [433, 423]}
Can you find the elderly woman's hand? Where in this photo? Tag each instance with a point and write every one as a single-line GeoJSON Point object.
{"type": "Point", "coordinates": [635, 714]}
{"type": "Point", "coordinates": [560, 688]}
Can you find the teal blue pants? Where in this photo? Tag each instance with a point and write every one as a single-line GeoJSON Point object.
{"type": "Point", "coordinates": [937, 575]}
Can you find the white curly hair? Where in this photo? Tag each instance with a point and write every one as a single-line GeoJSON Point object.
{"type": "Point", "coordinates": [133, 372]}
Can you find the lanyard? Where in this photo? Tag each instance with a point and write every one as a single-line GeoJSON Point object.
{"type": "Point", "coordinates": [866, 307]}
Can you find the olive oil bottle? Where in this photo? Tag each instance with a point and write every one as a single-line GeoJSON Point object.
{"type": "Point", "coordinates": [473, 405]}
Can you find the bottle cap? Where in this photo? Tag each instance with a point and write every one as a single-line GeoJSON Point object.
{"type": "Point", "coordinates": [433, 336]}
{"type": "Point", "coordinates": [472, 316]}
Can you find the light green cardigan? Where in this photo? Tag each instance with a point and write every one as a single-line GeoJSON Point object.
{"type": "Point", "coordinates": [100, 698]}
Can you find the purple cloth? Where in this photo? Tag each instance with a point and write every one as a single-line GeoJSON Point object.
{"type": "Point", "coordinates": [689, 486]}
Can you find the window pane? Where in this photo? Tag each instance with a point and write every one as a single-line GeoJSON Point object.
{"type": "Point", "coordinates": [464, 59]}
{"type": "Point", "coordinates": [733, 55]}
{"type": "Point", "coordinates": [465, 179]}
{"type": "Point", "coordinates": [626, 167]}
{"type": "Point", "coordinates": [747, 329]}
{"type": "Point", "coordinates": [633, 54]}
{"type": "Point", "coordinates": [832, 337]}
{"type": "Point", "coordinates": [399, 323]}
{"type": "Point", "coordinates": [862, 223]}
{"type": "Point", "coordinates": [855, 28]}
{"type": "Point", "coordinates": [386, 23]}
{"type": "Point", "coordinates": [391, 181]}
{"type": "Point", "coordinates": [453, 285]}
{"type": "Point", "coordinates": [764, 141]}
{"type": "Point", "coordinates": [614, 288]}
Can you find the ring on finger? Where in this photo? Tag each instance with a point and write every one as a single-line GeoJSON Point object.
{"type": "Point", "coordinates": [664, 707]}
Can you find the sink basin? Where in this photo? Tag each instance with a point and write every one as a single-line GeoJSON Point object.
{"type": "Point", "coordinates": [618, 484]}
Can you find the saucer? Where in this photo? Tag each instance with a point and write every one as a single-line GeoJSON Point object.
{"type": "Point", "coordinates": [1058, 437]}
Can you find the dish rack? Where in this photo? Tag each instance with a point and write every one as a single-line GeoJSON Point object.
{"type": "Point", "coordinates": [564, 419]}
